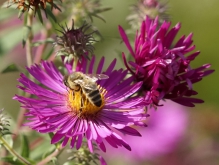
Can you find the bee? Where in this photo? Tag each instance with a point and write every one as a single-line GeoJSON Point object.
{"type": "Point", "coordinates": [85, 83]}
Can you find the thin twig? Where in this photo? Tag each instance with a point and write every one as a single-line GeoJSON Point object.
{"type": "Point", "coordinates": [29, 39]}
{"type": "Point", "coordinates": [49, 158]}
{"type": "Point", "coordinates": [13, 152]}
{"type": "Point", "coordinates": [28, 45]}
{"type": "Point", "coordinates": [42, 48]}
{"type": "Point", "coordinates": [36, 142]}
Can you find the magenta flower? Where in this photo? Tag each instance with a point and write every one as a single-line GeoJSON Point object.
{"type": "Point", "coordinates": [57, 109]}
{"type": "Point", "coordinates": [164, 67]}
{"type": "Point", "coordinates": [166, 129]}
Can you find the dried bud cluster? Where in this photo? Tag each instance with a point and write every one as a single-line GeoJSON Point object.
{"type": "Point", "coordinates": [75, 42]}
{"type": "Point", "coordinates": [86, 9]}
{"type": "Point", "coordinates": [84, 156]}
{"type": "Point", "coordinates": [25, 5]}
{"type": "Point", "coordinates": [3, 122]}
{"type": "Point", "coordinates": [151, 8]}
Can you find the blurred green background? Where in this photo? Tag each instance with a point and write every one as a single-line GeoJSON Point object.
{"type": "Point", "coordinates": [199, 17]}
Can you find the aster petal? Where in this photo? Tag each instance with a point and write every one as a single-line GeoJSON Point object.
{"type": "Point", "coordinates": [65, 141]}
{"type": "Point", "coordinates": [111, 67]}
{"type": "Point", "coordinates": [111, 142]}
{"type": "Point", "coordinates": [100, 66]}
{"type": "Point", "coordinates": [68, 65]}
{"type": "Point", "coordinates": [163, 30]}
{"type": "Point", "coordinates": [187, 101]}
{"type": "Point", "coordinates": [171, 35]}
{"type": "Point", "coordinates": [52, 71]}
{"type": "Point", "coordinates": [188, 40]}
{"type": "Point", "coordinates": [102, 161]}
{"type": "Point", "coordinates": [91, 66]}
{"type": "Point", "coordinates": [102, 146]}
{"type": "Point", "coordinates": [130, 131]}
{"type": "Point", "coordinates": [120, 141]}
{"type": "Point", "coordinates": [90, 146]}
{"type": "Point", "coordinates": [84, 66]}
{"type": "Point", "coordinates": [45, 79]}
{"type": "Point", "coordinates": [125, 92]}
{"type": "Point", "coordinates": [56, 138]}
{"type": "Point", "coordinates": [73, 140]}
{"type": "Point", "coordinates": [93, 131]}
{"type": "Point", "coordinates": [89, 134]}
{"type": "Point", "coordinates": [114, 79]}
{"type": "Point", "coordinates": [79, 141]}
{"type": "Point", "coordinates": [125, 62]}
{"type": "Point", "coordinates": [125, 39]}
{"type": "Point", "coordinates": [126, 104]}
{"type": "Point", "coordinates": [193, 56]}
{"type": "Point", "coordinates": [46, 130]}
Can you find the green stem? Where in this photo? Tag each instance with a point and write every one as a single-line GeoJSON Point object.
{"type": "Point", "coordinates": [29, 63]}
{"type": "Point", "coordinates": [13, 152]}
{"type": "Point", "coordinates": [29, 39]}
{"type": "Point", "coordinates": [49, 158]}
{"type": "Point", "coordinates": [75, 64]}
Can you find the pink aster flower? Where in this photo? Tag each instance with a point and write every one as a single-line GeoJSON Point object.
{"type": "Point", "coordinates": [57, 109]}
{"type": "Point", "coordinates": [166, 129]}
{"type": "Point", "coordinates": [164, 66]}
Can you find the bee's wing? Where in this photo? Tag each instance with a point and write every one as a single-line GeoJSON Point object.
{"type": "Point", "coordinates": [86, 84]}
{"type": "Point", "coordinates": [96, 77]}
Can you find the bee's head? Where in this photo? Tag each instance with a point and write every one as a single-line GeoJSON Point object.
{"type": "Point", "coordinates": [69, 81]}
{"type": "Point", "coordinates": [75, 76]}
{"type": "Point", "coordinates": [65, 80]}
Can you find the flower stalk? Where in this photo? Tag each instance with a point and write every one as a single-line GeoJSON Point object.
{"type": "Point", "coordinates": [13, 152]}
{"type": "Point", "coordinates": [29, 38]}
{"type": "Point", "coordinates": [29, 60]}
{"type": "Point", "coordinates": [58, 150]}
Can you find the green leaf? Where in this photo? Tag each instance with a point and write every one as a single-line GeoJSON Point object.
{"type": "Point", "coordinates": [55, 161]}
{"type": "Point", "coordinates": [39, 16]}
{"type": "Point", "coordinates": [26, 33]}
{"type": "Point", "coordinates": [97, 16]}
{"type": "Point", "coordinates": [48, 53]}
{"type": "Point", "coordinates": [11, 160]}
{"type": "Point", "coordinates": [25, 150]}
{"type": "Point", "coordinates": [50, 14]}
{"type": "Point", "coordinates": [50, 150]}
{"type": "Point", "coordinates": [9, 140]}
{"type": "Point", "coordinates": [6, 132]}
{"type": "Point", "coordinates": [48, 40]}
{"type": "Point", "coordinates": [37, 153]}
{"type": "Point", "coordinates": [6, 13]}
{"type": "Point", "coordinates": [20, 13]}
{"type": "Point", "coordinates": [51, 135]}
{"type": "Point", "coordinates": [10, 68]}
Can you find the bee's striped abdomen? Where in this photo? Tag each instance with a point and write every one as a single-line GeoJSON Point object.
{"type": "Point", "coordinates": [95, 97]}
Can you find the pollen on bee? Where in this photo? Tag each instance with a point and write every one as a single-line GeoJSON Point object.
{"type": "Point", "coordinates": [81, 105]}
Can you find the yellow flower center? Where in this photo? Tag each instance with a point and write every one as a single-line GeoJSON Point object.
{"type": "Point", "coordinates": [82, 106]}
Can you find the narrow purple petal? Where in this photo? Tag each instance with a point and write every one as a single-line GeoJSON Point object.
{"type": "Point", "coordinates": [102, 161]}
{"type": "Point", "coordinates": [171, 35]}
{"type": "Point", "coordinates": [79, 141]}
{"type": "Point", "coordinates": [100, 66]}
{"type": "Point", "coordinates": [126, 40]}
{"type": "Point", "coordinates": [56, 138]}
{"type": "Point", "coordinates": [130, 131]}
{"type": "Point", "coordinates": [90, 70]}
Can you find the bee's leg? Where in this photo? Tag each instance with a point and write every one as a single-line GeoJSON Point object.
{"type": "Point", "coordinates": [82, 101]}
{"type": "Point", "coordinates": [67, 89]}
{"type": "Point", "coordinates": [73, 95]}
